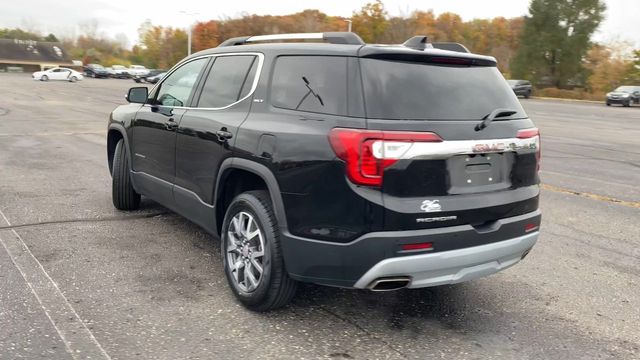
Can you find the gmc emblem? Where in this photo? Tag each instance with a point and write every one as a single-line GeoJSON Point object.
{"type": "Point", "coordinates": [485, 148]}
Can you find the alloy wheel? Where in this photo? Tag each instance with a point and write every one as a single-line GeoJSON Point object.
{"type": "Point", "coordinates": [245, 251]}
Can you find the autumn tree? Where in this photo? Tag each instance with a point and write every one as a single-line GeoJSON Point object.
{"type": "Point", "coordinates": [607, 69]}
{"type": "Point", "coordinates": [162, 47]}
{"type": "Point", "coordinates": [205, 35]}
{"type": "Point", "coordinates": [555, 38]}
{"type": "Point", "coordinates": [635, 68]}
{"type": "Point", "coordinates": [19, 34]}
{"type": "Point", "coordinates": [371, 22]}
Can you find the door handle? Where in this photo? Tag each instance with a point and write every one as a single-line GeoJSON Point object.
{"type": "Point", "coordinates": [171, 124]}
{"type": "Point", "coordinates": [223, 135]}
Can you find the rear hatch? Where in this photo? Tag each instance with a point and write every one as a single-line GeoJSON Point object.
{"type": "Point", "coordinates": [436, 167]}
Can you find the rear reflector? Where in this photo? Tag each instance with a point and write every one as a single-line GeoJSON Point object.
{"type": "Point", "coordinates": [368, 152]}
{"type": "Point", "coordinates": [418, 246]}
{"type": "Point", "coordinates": [530, 227]}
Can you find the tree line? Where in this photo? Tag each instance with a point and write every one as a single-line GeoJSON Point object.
{"type": "Point", "coordinates": [551, 46]}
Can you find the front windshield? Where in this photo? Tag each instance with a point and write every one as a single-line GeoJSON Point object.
{"type": "Point", "coordinates": [512, 82]}
{"type": "Point", "coordinates": [97, 66]}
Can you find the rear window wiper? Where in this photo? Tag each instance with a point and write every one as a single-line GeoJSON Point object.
{"type": "Point", "coordinates": [310, 92]}
{"type": "Point", "coordinates": [497, 113]}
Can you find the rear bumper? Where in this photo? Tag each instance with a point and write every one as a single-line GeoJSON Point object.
{"type": "Point", "coordinates": [450, 267]}
{"type": "Point", "coordinates": [460, 253]}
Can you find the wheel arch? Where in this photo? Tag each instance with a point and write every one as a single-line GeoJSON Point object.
{"type": "Point", "coordinates": [254, 176]}
{"type": "Point", "coordinates": [114, 134]}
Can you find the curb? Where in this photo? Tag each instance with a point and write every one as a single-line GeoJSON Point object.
{"type": "Point", "coordinates": [563, 99]}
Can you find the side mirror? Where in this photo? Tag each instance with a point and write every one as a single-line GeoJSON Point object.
{"type": "Point", "coordinates": [137, 95]}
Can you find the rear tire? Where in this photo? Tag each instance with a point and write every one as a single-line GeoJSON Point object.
{"type": "Point", "coordinates": [271, 288]}
{"type": "Point", "coordinates": [123, 195]}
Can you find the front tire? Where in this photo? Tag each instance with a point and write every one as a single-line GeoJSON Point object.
{"type": "Point", "coordinates": [73, 79]}
{"type": "Point", "coordinates": [44, 78]}
{"type": "Point", "coordinates": [123, 194]}
{"type": "Point", "coordinates": [628, 103]}
{"type": "Point", "coordinates": [252, 253]}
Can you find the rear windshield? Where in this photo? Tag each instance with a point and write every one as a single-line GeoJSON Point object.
{"type": "Point", "coordinates": [419, 91]}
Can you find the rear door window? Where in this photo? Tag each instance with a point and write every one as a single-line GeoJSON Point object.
{"type": "Point", "coordinates": [230, 79]}
{"type": "Point", "coordinates": [421, 91]}
{"type": "Point", "coordinates": [311, 83]}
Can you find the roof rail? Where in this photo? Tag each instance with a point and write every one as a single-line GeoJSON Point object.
{"type": "Point", "coordinates": [348, 38]}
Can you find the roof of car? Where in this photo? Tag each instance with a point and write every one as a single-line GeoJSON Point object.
{"type": "Point", "coordinates": [29, 50]}
{"type": "Point", "coordinates": [310, 48]}
{"type": "Point", "coordinates": [340, 44]}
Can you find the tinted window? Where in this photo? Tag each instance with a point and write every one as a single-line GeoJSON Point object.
{"type": "Point", "coordinates": [419, 91]}
{"type": "Point", "coordinates": [311, 83]}
{"type": "Point", "coordinates": [226, 80]}
{"type": "Point", "coordinates": [177, 87]}
{"type": "Point", "coordinates": [248, 83]}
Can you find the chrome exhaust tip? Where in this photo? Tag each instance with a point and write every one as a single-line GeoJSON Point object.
{"type": "Point", "coordinates": [390, 283]}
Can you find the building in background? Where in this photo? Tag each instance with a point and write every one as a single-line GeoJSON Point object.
{"type": "Point", "coordinates": [29, 56]}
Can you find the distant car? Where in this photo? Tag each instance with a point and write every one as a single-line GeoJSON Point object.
{"type": "Point", "coordinates": [138, 70]}
{"type": "Point", "coordinates": [154, 79]}
{"type": "Point", "coordinates": [118, 71]}
{"type": "Point", "coordinates": [95, 71]}
{"type": "Point", "coordinates": [58, 73]}
{"type": "Point", "coordinates": [624, 95]}
{"type": "Point", "coordinates": [152, 74]}
{"type": "Point", "coordinates": [521, 87]}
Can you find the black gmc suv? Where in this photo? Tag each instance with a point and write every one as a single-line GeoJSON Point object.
{"type": "Point", "coordinates": [336, 162]}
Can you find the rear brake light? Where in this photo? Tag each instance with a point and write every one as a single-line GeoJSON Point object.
{"type": "Point", "coordinates": [531, 133]}
{"type": "Point", "coordinates": [368, 152]}
{"type": "Point", "coordinates": [528, 133]}
{"type": "Point", "coordinates": [451, 61]}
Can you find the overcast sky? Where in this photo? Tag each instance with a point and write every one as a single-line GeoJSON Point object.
{"type": "Point", "coordinates": [117, 17]}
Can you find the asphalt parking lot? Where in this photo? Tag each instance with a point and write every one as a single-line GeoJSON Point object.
{"type": "Point", "coordinates": [79, 279]}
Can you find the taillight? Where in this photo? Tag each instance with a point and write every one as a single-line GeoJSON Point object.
{"type": "Point", "coordinates": [532, 133]}
{"type": "Point", "coordinates": [368, 152]}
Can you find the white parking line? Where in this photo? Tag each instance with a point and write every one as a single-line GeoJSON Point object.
{"type": "Point", "coordinates": [78, 339]}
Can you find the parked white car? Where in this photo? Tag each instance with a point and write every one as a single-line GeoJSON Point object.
{"type": "Point", "coordinates": [118, 71]}
{"type": "Point", "coordinates": [58, 73]}
{"type": "Point", "coordinates": [138, 70]}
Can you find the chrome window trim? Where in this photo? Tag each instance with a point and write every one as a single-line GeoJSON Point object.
{"type": "Point", "coordinates": [253, 87]}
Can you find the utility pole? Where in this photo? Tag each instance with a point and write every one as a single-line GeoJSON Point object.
{"type": "Point", "coordinates": [349, 21]}
{"type": "Point", "coordinates": [189, 40]}
{"type": "Point", "coordinates": [190, 14]}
